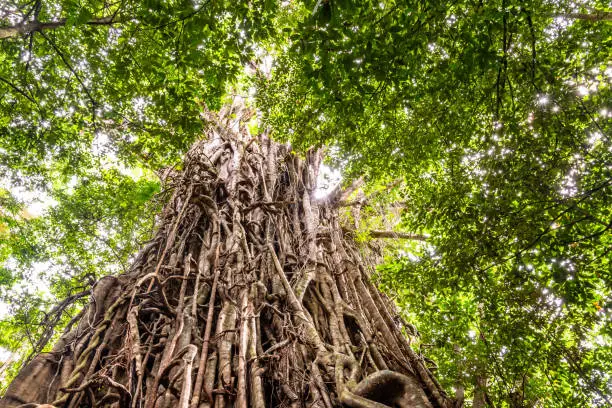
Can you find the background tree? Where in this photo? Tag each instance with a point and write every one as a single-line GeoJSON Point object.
{"type": "Point", "coordinates": [494, 117]}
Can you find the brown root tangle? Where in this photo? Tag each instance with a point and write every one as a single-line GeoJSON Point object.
{"type": "Point", "coordinates": [250, 295]}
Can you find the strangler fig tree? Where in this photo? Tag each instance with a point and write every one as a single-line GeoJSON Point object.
{"type": "Point", "coordinates": [250, 295]}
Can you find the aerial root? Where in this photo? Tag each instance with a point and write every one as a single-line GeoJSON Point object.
{"type": "Point", "coordinates": [384, 389]}
{"type": "Point", "coordinates": [250, 295]}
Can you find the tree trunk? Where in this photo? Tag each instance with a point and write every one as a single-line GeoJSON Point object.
{"type": "Point", "coordinates": [249, 295]}
{"type": "Point", "coordinates": [480, 392]}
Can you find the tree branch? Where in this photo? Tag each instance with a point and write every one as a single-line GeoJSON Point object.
{"type": "Point", "coordinates": [19, 91]}
{"type": "Point", "coordinates": [399, 235]}
{"type": "Point", "coordinates": [76, 75]}
{"type": "Point", "coordinates": [33, 26]}
{"type": "Point", "coordinates": [339, 195]}
{"type": "Point", "coordinates": [593, 17]}
{"type": "Point", "coordinates": [365, 200]}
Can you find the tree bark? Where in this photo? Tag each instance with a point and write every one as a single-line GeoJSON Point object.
{"type": "Point", "coordinates": [480, 392]}
{"type": "Point", "coordinates": [33, 26]}
{"type": "Point", "coordinates": [398, 235]}
{"type": "Point", "coordinates": [593, 17]}
{"type": "Point", "coordinates": [249, 295]}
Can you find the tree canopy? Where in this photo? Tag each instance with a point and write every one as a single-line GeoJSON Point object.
{"type": "Point", "coordinates": [482, 127]}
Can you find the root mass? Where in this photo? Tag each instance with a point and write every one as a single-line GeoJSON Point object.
{"type": "Point", "coordinates": [250, 295]}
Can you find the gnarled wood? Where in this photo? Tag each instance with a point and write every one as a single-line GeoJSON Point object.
{"type": "Point", "coordinates": [249, 295]}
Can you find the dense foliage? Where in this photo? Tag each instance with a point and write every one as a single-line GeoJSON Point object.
{"type": "Point", "coordinates": [485, 125]}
